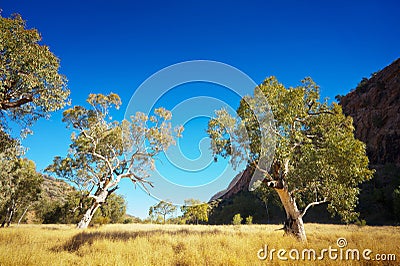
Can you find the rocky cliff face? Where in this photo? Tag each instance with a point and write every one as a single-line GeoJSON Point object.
{"type": "Point", "coordinates": [239, 183]}
{"type": "Point", "coordinates": [375, 108]}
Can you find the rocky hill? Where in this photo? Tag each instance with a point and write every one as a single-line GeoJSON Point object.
{"type": "Point", "coordinates": [375, 108]}
{"type": "Point", "coordinates": [55, 189]}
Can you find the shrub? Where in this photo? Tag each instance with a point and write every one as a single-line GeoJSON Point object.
{"type": "Point", "coordinates": [361, 222]}
{"type": "Point", "coordinates": [237, 219]}
{"type": "Point", "coordinates": [249, 219]}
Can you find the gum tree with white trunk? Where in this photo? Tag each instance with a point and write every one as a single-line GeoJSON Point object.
{"type": "Point", "coordinates": [103, 151]}
{"type": "Point", "coordinates": [317, 159]}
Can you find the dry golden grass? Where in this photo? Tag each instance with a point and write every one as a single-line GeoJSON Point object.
{"type": "Point", "coordinates": [139, 244]}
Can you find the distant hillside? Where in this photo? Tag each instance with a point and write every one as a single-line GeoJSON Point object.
{"type": "Point", "coordinates": [55, 189]}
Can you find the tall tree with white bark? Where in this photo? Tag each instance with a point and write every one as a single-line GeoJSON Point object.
{"type": "Point", "coordinates": [104, 151]}
{"type": "Point", "coordinates": [317, 159]}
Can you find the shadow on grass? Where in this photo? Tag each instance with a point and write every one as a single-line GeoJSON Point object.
{"type": "Point", "coordinates": [90, 237]}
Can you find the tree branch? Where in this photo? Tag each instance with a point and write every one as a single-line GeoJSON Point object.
{"type": "Point", "coordinates": [321, 112]}
{"type": "Point", "coordinates": [17, 103]}
{"type": "Point", "coordinates": [265, 172]}
{"type": "Point", "coordinates": [273, 184]}
{"type": "Point", "coordinates": [313, 204]}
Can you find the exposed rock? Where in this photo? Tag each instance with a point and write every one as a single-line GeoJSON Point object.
{"type": "Point", "coordinates": [375, 108]}
{"type": "Point", "coordinates": [239, 183]}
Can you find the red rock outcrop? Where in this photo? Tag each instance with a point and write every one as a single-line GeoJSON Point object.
{"type": "Point", "coordinates": [375, 108]}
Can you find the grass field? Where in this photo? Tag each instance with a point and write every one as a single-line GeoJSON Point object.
{"type": "Point", "coordinates": [139, 244]}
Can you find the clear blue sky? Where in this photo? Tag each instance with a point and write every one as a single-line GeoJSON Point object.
{"type": "Point", "coordinates": [115, 45]}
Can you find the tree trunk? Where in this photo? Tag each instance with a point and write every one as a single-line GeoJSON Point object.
{"type": "Point", "coordinates": [97, 202]}
{"type": "Point", "coordinates": [9, 215]}
{"type": "Point", "coordinates": [294, 221]}
{"type": "Point", "coordinates": [23, 214]}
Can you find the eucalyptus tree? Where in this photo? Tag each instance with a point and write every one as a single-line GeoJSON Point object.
{"type": "Point", "coordinates": [162, 208]}
{"type": "Point", "coordinates": [317, 159]}
{"type": "Point", "coordinates": [103, 152]}
{"type": "Point", "coordinates": [31, 86]}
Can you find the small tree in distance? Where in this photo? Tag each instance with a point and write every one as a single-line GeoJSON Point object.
{"type": "Point", "coordinates": [162, 208]}
{"type": "Point", "coordinates": [103, 151]}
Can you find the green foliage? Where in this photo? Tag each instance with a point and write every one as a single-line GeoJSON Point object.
{"type": "Point", "coordinates": [163, 209]}
{"type": "Point", "coordinates": [237, 219]}
{"type": "Point", "coordinates": [20, 186]}
{"type": "Point", "coordinates": [129, 219]}
{"type": "Point", "coordinates": [114, 209]}
{"type": "Point", "coordinates": [70, 209]}
{"type": "Point", "coordinates": [361, 222]}
{"type": "Point", "coordinates": [377, 197]}
{"type": "Point", "coordinates": [195, 211]}
{"type": "Point", "coordinates": [396, 203]}
{"type": "Point", "coordinates": [316, 156]}
{"type": "Point", "coordinates": [30, 85]}
{"type": "Point", "coordinates": [361, 85]}
{"type": "Point", "coordinates": [249, 220]}
{"type": "Point", "coordinates": [66, 210]}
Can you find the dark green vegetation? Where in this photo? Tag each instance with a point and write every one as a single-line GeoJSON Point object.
{"type": "Point", "coordinates": [62, 204]}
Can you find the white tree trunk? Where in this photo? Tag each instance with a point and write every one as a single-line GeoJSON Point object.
{"type": "Point", "coordinates": [23, 214]}
{"type": "Point", "coordinates": [294, 221]}
{"type": "Point", "coordinates": [97, 202]}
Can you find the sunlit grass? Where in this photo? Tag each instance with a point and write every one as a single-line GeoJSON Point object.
{"type": "Point", "coordinates": [139, 244]}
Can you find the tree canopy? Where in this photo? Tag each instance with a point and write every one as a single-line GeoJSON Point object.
{"type": "Point", "coordinates": [30, 84]}
{"type": "Point", "coordinates": [195, 211]}
{"type": "Point", "coordinates": [163, 208]}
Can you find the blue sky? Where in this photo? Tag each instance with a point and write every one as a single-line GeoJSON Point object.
{"type": "Point", "coordinates": [116, 45]}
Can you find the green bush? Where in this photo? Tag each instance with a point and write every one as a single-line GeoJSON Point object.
{"type": "Point", "coordinates": [128, 221]}
{"type": "Point", "coordinates": [249, 219]}
{"type": "Point", "coordinates": [237, 219]}
{"type": "Point", "coordinates": [361, 222]}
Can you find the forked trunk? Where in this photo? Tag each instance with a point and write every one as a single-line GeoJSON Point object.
{"type": "Point", "coordinates": [294, 225]}
{"type": "Point", "coordinates": [97, 202]}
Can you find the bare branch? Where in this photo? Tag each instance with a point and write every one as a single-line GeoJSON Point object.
{"type": "Point", "coordinates": [313, 204]}
{"type": "Point", "coordinates": [265, 172]}
{"type": "Point", "coordinates": [320, 112]}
